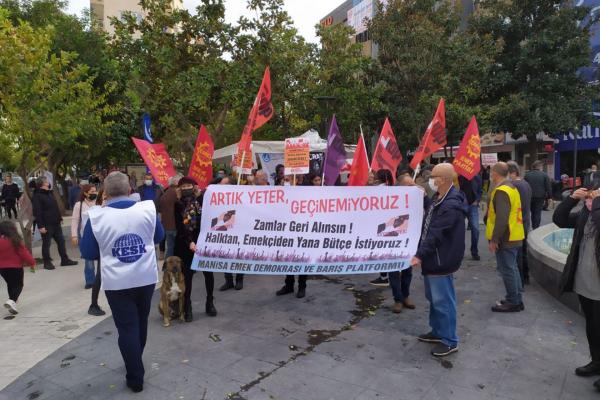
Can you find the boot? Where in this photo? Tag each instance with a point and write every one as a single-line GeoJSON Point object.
{"type": "Point", "coordinates": [591, 369]}
{"type": "Point", "coordinates": [285, 290]}
{"type": "Point", "coordinates": [228, 283]}
{"type": "Point", "coordinates": [187, 313]}
{"type": "Point", "coordinates": [210, 307]}
{"type": "Point", "coordinates": [301, 293]}
{"type": "Point", "coordinates": [48, 265]}
{"type": "Point", "coordinates": [239, 282]}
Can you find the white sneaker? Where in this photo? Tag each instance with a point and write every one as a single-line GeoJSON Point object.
{"type": "Point", "coordinates": [11, 306]}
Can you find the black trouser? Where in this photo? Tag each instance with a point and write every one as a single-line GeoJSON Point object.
{"type": "Point", "coordinates": [400, 283]}
{"type": "Point", "coordinates": [14, 281]}
{"type": "Point", "coordinates": [591, 311]}
{"type": "Point", "coordinates": [522, 260]}
{"type": "Point", "coordinates": [229, 278]}
{"type": "Point", "coordinates": [209, 282]}
{"type": "Point", "coordinates": [162, 244]}
{"type": "Point", "coordinates": [289, 281]}
{"type": "Point", "coordinates": [130, 309]}
{"type": "Point", "coordinates": [537, 205]}
{"type": "Point", "coordinates": [54, 232]}
{"type": "Point", "coordinates": [10, 205]}
{"type": "Point", "coordinates": [97, 284]}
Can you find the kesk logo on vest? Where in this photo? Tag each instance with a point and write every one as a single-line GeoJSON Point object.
{"type": "Point", "coordinates": [129, 248]}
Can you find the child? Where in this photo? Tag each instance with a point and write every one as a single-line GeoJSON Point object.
{"type": "Point", "coordinates": [13, 255]}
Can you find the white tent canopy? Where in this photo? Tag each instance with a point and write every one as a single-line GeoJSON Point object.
{"type": "Point", "coordinates": [317, 144]}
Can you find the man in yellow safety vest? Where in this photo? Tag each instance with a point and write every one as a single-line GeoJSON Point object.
{"type": "Point", "coordinates": [505, 232]}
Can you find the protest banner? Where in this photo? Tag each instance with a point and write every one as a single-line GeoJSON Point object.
{"type": "Point", "coordinates": [308, 230]}
{"type": "Point", "coordinates": [201, 164]}
{"type": "Point", "coordinates": [296, 156]}
{"type": "Point", "coordinates": [157, 160]}
{"type": "Point", "coordinates": [489, 159]}
{"type": "Point", "coordinates": [466, 162]}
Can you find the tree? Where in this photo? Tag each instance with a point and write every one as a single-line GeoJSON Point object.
{"type": "Point", "coordinates": [424, 55]}
{"type": "Point", "coordinates": [533, 85]}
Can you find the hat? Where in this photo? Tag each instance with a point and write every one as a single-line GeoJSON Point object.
{"type": "Point", "coordinates": [187, 179]}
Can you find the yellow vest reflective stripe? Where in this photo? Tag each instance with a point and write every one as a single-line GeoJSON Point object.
{"type": "Point", "coordinates": [515, 219]}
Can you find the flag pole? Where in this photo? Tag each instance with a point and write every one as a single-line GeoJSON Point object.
{"type": "Point", "coordinates": [365, 146]}
{"type": "Point", "coordinates": [294, 179]}
{"type": "Point", "coordinates": [417, 170]}
{"type": "Point", "coordinates": [241, 167]}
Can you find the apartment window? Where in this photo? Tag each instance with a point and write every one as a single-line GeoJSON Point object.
{"type": "Point", "coordinates": [363, 37]}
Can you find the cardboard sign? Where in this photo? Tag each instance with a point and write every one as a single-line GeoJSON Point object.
{"type": "Point", "coordinates": [489, 159]}
{"type": "Point", "coordinates": [296, 156]}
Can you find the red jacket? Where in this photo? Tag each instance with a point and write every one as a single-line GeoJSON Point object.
{"type": "Point", "coordinates": [14, 258]}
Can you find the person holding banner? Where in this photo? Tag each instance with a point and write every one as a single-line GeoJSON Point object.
{"type": "Point", "coordinates": [188, 213]}
{"type": "Point", "coordinates": [440, 253]}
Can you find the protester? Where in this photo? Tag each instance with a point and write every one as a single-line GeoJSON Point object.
{"type": "Point", "coordinates": [48, 220]}
{"type": "Point", "coordinates": [239, 278]}
{"type": "Point", "coordinates": [221, 173]}
{"type": "Point", "coordinates": [591, 175]}
{"type": "Point", "coordinates": [383, 177]}
{"type": "Point", "coordinates": [261, 178]}
{"type": "Point", "coordinates": [94, 308]}
{"type": "Point", "coordinates": [279, 174]}
{"type": "Point", "coordinates": [10, 195]}
{"type": "Point", "coordinates": [540, 191]}
{"type": "Point", "coordinates": [122, 235]}
{"type": "Point", "coordinates": [133, 180]}
{"type": "Point", "coordinates": [188, 216]}
{"type": "Point", "coordinates": [150, 190]}
{"type": "Point", "coordinates": [505, 232]}
{"type": "Point", "coordinates": [14, 256]}
{"type": "Point", "coordinates": [525, 194]}
{"type": "Point", "coordinates": [473, 190]}
{"type": "Point", "coordinates": [581, 273]}
{"type": "Point", "coordinates": [440, 253]}
{"type": "Point", "coordinates": [167, 214]}
{"type": "Point", "coordinates": [87, 200]}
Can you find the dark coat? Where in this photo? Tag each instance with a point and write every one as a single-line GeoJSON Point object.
{"type": "Point", "coordinates": [540, 184]}
{"type": "Point", "coordinates": [10, 193]}
{"type": "Point", "coordinates": [441, 251]}
{"type": "Point", "coordinates": [564, 218]}
{"type": "Point", "coordinates": [45, 209]}
{"type": "Point", "coordinates": [185, 236]}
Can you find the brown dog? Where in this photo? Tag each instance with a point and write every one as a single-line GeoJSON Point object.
{"type": "Point", "coordinates": [171, 291]}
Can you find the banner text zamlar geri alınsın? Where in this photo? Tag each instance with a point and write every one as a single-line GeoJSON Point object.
{"type": "Point", "coordinates": [308, 229]}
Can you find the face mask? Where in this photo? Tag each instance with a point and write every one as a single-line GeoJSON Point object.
{"type": "Point", "coordinates": [588, 204]}
{"type": "Point", "coordinates": [187, 192]}
{"type": "Point", "coordinates": [92, 196]}
{"type": "Point", "coordinates": [287, 184]}
{"type": "Point", "coordinates": [148, 182]}
{"type": "Point", "coordinates": [432, 185]}
{"type": "Point", "coordinates": [221, 175]}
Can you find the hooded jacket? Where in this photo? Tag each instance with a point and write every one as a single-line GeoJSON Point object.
{"type": "Point", "coordinates": [442, 247]}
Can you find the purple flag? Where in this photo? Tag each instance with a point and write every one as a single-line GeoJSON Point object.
{"type": "Point", "coordinates": [335, 158]}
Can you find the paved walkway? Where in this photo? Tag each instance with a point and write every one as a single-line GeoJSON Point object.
{"type": "Point", "coordinates": [340, 342]}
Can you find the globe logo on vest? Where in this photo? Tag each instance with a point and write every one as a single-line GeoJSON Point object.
{"type": "Point", "coordinates": [129, 248]}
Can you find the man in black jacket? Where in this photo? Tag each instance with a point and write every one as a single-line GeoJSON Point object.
{"type": "Point", "coordinates": [48, 220]}
{"type": "Point", "coordinates": [440, 254]}
{"type": "Point", "coordinates": [541, 189]}
{"type": "Point", "coordinates": [10, 195]}
{"type": "Point", "coordinates": [581, 273]}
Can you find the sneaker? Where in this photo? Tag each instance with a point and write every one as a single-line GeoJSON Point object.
{"type": "Point", "coordinates": [68, 263]}
{"type": "Point", "coordinates": [507, 307]}
{"type": "Point", "coordinates": [397, 308]}
{"type": "Point", "coordinates": [591, 369]}
{"type": "Point", "coordinates": [284, 290]}
{"type": "Point", "coordinates": [476, 257]}
{"type": "Point", "coordinates": [429, 338]}
{"type": "Point", "coordinates": [89, 286]}
{"type": "Point", "coordinates": [239, 284]}
{"type": "Point", "coordinates": [226, 286]}
{"type": "Point", "coordinates": [301, 293]}
{"type": "Point", "coordinates": [442, 350]}
{"type": "Point", "coordinates": [380, 282]}
{"type": "Point", "coordinates": [48, 265]}
{"type": "Point", "coordinates": [11, 306]}
{"type": "Point", "coordinates": [96, 311]}
{"type": "Point", "coordinates": [409, 304]}
{"type": "Point", "coordinates": [522, 306]}
{"type": "Point", "coordinates": [135, 387]}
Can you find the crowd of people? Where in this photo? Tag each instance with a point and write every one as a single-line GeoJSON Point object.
{"type": "Point", "coordinates": [117, 225]}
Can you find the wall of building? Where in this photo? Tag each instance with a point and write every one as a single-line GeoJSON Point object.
{"type": "Point", "coordinates": [104, 10]}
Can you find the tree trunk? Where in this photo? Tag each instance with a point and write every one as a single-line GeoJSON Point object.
{"type": "Point", "coordinates": [532, 149]}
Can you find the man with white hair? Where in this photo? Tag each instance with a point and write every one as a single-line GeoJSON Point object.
{"type": "Point", "coordinates": [261, 178]}
{"type": "Point", "coordinates": [123, 235]}
{"type": "Point", "coordinates": [166, 207]}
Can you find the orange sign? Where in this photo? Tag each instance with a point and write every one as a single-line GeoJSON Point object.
{"type": "Point", "coordinates": [296, 156]}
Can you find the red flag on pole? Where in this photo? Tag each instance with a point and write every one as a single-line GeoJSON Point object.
{"type": "Point", "coordinates": [201, 164]}
{"type": "Point", "coordinates": [387, 154]}
{"type": "Point", "coordinates": [466, 162]}
{"type": "Point", "coordinates": [261, 112]}
{"type": "Point", "coordinates": [157, 160]}
{"type": "Point", "coordinates": [359, 172]}
{"type": "Point", "coordinates": [434, 138]}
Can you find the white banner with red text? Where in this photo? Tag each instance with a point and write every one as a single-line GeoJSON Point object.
{"type": "Point", "coordinates": [308, 230]}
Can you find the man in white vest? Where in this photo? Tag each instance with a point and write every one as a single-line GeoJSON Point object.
{"type": "Point", "coordinates": [123, 235]}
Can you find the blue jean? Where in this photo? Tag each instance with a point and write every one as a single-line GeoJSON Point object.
{"type": "Point", "coordinates": [89, 272]}
{"type": "Point", "coordinates": [130, 309]}
{"type": "Point", "coordinates": [473, 219]}
{"type": "Point", "coordinates": [170, 242]}
{"type": "Point", "coordinates": [439, 290]}
{"type": "Point", "coordinates": [508, 268]}
{"type": "Point", "coordinates": [400, 283]}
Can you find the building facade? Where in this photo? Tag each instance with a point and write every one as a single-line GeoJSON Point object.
{"type": "Point", "coordinates": [104, 10]}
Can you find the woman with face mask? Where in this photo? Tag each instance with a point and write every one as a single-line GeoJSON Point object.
{"type": "Point", "coordinates": [188, 214]}
{"type": "Point", "coordinates": [582, 270]}
{"type": "Point", "coordinates": [87, 200]}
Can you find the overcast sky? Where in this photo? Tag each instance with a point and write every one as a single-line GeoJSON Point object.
{"type": "Point", "coordinates": [305, 13]}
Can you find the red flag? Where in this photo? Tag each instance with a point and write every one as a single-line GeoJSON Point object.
{"type": "Point", "coordinates": [387, 154]}
{"type": "Point", "coordinates": [157, 160]}
{"type": "Point", "coordinates": [434, 138]}
{"type": "Point", "coordinates": [359, 172]}
{"type": "Point", "coordinates": [201, 164]}
{"type": "Point", "coordinates": [261, 112]}
{"type": "Point", "coordinates": [466, 162]}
